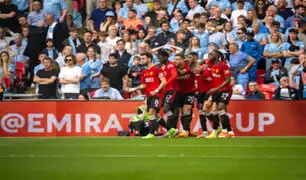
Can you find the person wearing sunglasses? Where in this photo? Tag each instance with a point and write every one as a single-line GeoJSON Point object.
{"type": "Point", "coordinates": [285, 91]}
{"type": "Point", "coordinates": [69, 78]}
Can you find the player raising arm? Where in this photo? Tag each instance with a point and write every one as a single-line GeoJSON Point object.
{"type": "Point", "coordinates": [153, 81]}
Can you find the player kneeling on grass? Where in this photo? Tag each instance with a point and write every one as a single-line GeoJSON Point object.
{"type": "Point", "coordinates": [152, 81]}
{"type": "Point", "coordinates": [186, 100]}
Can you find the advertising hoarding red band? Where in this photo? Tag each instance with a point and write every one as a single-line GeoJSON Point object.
{"type": "Point", "coordinates": [75, 118]}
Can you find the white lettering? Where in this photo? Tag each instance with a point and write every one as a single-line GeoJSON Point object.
{"type": "Point", "coordinates": [32, 123]}
{"type": "Point", "coordinates": [66, 120]}
{"type": "Point", "coordinates": [112, 123]}
{"type": "Point", "coordinates": [270, 119]}
{"type": "Point", "coordinates": [78, 123]}
{"type": "Point", "coordinates": [251, 123]}
{"type": "Point", "coordinates": [89, 123]}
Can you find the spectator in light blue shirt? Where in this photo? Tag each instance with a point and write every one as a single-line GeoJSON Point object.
{"type": "Point", "coordinates": [273, 49]}
{"type": "Point", "coordinates": [22, 5]}
{"type": "Point", "coordinates": [106, 91]}
{"type": "Point", "coordinates": [86, 73]}
{"type": "Point", "coordinates": [247, 6]}
{"type": "Point", "coordinates": [141, 7]}
{"type": "Point", "coordinates": [223, 4]}
{"type": "Point", "coordinates": [95, 68]}
{"type": "Point", "coordinates": [41, 57]}
{"type": "Point", "coordinates": [292, 48]}
{"type": "Point", "coordinates": [240, 63]}
{"type": "Point", "coordinates": [180, 5]}
{"type": "Point", "coordinates": [56, 7]}
{"type": "Point", "coordinates": [201, 34]}
{"type": "Point", "coordinates": [175, 21]}
{"type": "Point", "coordinates": [37, 17]}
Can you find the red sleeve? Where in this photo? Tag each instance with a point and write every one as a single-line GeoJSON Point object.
{"type": "Point", "coordinates": [206, 73]}
{"type": "Point", "coordinates": [172, 70]}
{"type": "Point", "coordinates": [142, 81]}
{"type": "Point", "coordinates": [226, 70]}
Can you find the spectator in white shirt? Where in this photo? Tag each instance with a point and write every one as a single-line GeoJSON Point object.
{"type": "Point", "coordinates": [107, 92]}
{"type": "Point", "coordinates": [238, 91]}
{"type": "Point", "coordinates": [194, 8]}
{"type": "Point", "coordinates": [240, 11]}
{"type": "Point", "coordinates": [69, 78]}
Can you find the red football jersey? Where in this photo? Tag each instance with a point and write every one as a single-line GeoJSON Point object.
{"type": "Point", "coordinates": [187, 81]}
{"type": "Point", "coordinates": [219, 73]}
{"type": "Point", "coordinates": [166, 69]}
{"type": "Point", "coordinates": [204, 80]}
{"type": "Point", "coordinates": [150, 77]}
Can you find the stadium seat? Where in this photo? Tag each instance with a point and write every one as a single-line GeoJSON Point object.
{"type": "Point", "coordinates": [260, 76]}
{"type": "Point", "coordinates": [91, 94]}
{"type": "Point", "coordinates": [270, 88]}
{"type": "Point", "coordinates": [7, 82]}
{"type": "Point", "coordinates": [268, 96]}
{"type": "Point", "coordinates": [20, 70]}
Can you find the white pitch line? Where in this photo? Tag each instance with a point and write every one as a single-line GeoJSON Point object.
{"type": "Point", "coordinates": [152, 145]}
{"type": "Point", "coordinates": [5, 156]}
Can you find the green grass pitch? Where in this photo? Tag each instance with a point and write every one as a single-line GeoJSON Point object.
{"type": "Point", "coordinates": [153, 159]}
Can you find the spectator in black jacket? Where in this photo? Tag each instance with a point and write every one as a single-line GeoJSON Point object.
{"type": "Point", "coordinates": [286, 92]}
{"type": "Point", "coordinates": [275, 72]}
{"type": "Point", "coordinates": [254, 94]}
{"type": "Point", "coordinates": [165, 36]}
{"type": "Point", "coordinates": [122, 54]}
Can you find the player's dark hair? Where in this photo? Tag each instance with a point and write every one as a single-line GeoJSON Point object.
{"type": "Point", "coordinates": [181, 55]}
{"type": "Point", "coordinates": [149, 55]}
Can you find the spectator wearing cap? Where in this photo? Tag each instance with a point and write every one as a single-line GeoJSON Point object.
{"type": "Point", "coordinates": [254, 93]}
{"type": "Point", "coordinates": [124, 11]}
{"type": "Point", "coordinates": [164, 37]}
{"type": "Point", "coordinates": [109, 20]}
{"type": "Point", "coordinates": [58, 9]}
{"type": "Point", "coordinates": [132, 22]}
{"type": "Point", "coordinates": [38, 16]}
{"type": "Point", "coordinates": [223, 4]}
{"type": "Point", "coordinates": [275, 72]}
{"type": "Point", "coordinates": [238, 12]}
{"type": "Point", "coordinates": [292, 48]}
{"type": "Point", "coordinates": [282, 10]}
{"type": "Point", "coordinates": [200, 33]}
{"type": "Point", "coordinates": [194, 8]}
{"type": "Point", "coordinates": [151, 16]}
{"type": "Point", "coordinates": [214, 35]}
{"type": "Point", "coordinates": [115, 73]}
{"type": "Point", "coordinates": [253, 49]}
{"type": "Point", "coordinates": [98, 16]}
{"type": "Point", "coordinates": [285, 91]}
{"type": "Point", "coordinates": [240, 63]}
{"type": "Point", "coordinates": [178, 4]}
{"type": "Point", "coordinates": [273, 49]}
{"type": "Point", "coordinates": [299, 14]}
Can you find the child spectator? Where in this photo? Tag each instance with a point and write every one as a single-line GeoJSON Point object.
{"type": "Point", "coordinates": [134, 74]}
{"type": "Point", "coordinates": [50, 50]}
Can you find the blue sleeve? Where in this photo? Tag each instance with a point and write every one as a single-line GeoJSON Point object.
{"type": "Point", "coordinates": [117, 94]}
{"type": "Point", "coordinates": [86, 71]}
{"type": "Point", "coordinates": [130, 64]}
{"type": "Point", "coordinates": [121, 12]}
{"type": "Point", "coordinates": [246, 56]}
{"type": "Point", "coordinates": [63, 4]}
{"type": "Point", "coordinates": [301, 45]}
{"type": "Point", "coordinates": [100, 66]}
{"type": "Point", "coordinates": [183, 7]}
{"type": "Point", "coordinates": [242, 49]}
{"type": "Point", "coordinates": [267, 47]}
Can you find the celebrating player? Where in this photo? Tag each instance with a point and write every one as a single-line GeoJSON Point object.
{"type": "Point", "coordinates": [153, 81]}
{"type": "Point", "coordinates": [186, 79]}
{"type": "Point", "coordinates": [220, 93]}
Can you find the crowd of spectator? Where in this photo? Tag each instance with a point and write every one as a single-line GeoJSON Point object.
{"type": "Point", "coordinates": [68, 49]}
